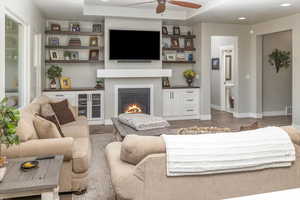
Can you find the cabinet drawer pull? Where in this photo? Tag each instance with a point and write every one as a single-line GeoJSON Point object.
{"type": "Point", "coordinates": [190, 110]}
{"type": "Point", "coordinates": [59, 95]}
{"type": "Point", "coordinates": [190, 100]}
{"type": "Point", "coordinates": [189, 92]}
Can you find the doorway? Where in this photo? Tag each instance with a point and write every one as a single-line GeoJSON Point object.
{"type": "Point", "coordinates": [223, 73]}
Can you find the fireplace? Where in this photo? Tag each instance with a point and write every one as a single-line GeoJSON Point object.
{"type": "Point", "coordinates": [134, 100]}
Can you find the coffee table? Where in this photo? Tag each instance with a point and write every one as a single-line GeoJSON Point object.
{"type": "Point", "coordinates": [42, 181]}
{"type": "Point", "coordinates": [121, 130]}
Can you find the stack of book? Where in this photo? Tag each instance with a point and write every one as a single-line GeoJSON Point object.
{"type": "Point", "coordinates": [74, 42]}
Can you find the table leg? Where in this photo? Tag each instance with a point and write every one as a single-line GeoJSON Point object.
{"type": "Point", "coordinates": [51, 195]}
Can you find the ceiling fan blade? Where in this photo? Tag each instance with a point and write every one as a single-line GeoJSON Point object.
{"type": "Point", "coordinates": [185, 4]}
{"type": "Point", "coordinates": [160, 8]}
{"type": "Point", "coordinates": [140, 3]}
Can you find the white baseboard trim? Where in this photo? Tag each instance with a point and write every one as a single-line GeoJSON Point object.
{"type": "Point", "coordinates": [108, 122]}
{"type": "Point", "coordinates": [205, 117]}
{"type": "Point", "coordinates": [182, 118]}
{"type": "Point", "coordinates": [248, 115]}
{"type": "Point", "coordinates": [274, 113]}
{"type": "Point", "coordinates": [216, 107]}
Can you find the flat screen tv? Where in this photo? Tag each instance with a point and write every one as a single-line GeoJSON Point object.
{"type": "Point", "coordinates": [134, 45]}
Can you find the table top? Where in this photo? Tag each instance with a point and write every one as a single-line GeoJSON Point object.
{"type": "Point", "coordinates": [45, 177]}
{"type": "Point", "coordinates": [124, 130]}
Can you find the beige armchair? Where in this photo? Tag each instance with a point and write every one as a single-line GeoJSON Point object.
{"type": "Point", "coordinates": [75, 146]}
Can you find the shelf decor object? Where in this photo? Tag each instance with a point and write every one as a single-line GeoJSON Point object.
{"type": "Point", "coordinates": [189, 75]}
{"type": "Point", "coordinates": [53, 73]}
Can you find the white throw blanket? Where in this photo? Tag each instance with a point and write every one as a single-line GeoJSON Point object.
{"type": "Point", "coordinates": [228, 152]}
{"type": "Point", "coordinates": [142, 122]}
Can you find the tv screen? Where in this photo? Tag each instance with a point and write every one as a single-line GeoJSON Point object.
{"type": "Point", "coordinates": [134, 45]}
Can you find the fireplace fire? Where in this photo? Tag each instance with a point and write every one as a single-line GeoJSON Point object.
{"type": "Point", "coordinates": [133, 108]}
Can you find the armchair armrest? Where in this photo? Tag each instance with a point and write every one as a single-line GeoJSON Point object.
{"type": "Point", "coordinates": [41, 147]}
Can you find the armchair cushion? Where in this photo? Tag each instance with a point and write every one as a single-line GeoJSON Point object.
{"type": "Point", "coordinates": [76, 129]}
{"type": "Point", "coordinates": [45, 128]}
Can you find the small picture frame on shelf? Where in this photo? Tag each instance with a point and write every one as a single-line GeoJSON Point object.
{"type": "Point", "coordinates": [54, 55]}
{"type": "Point", "coordinates": [165, 30]}
{"type": "Point", "coordinates": [215, 63]}
{"type": "Point", "coordinates": [188, 43]}
{"type": "Point", "coordinates": [74, 27]}
{"type": "Point", "coordinates": [93, 41]}
{"type": "Point", "coordinates": [97, 28]}
{"type": "Point", "coordinates": [176, 30]}
{"type": "Point", "coordinates": [53, 41]}
{"type": "Point", "coordinates": [65, 82]}
{"type": "Point", "coordinates": [55, 27]}
{"type": "Point", "coordinates": [94, 55]}
{"type": "Point", "coordinates": [74, 55]}
{"type": "Point", "coordinates": [174, 43]}
{"type": "Point", "coordinates": [171, 57]}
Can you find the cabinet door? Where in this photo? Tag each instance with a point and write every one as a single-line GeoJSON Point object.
{"type": "Point", "coordinates": [168, 102]}
{"type": "Point", "coordinates": [83, 105]}
{"type": "Point", "coordinates": [95, 106]}
{"type": "Point", "coordinates": [177, 102]}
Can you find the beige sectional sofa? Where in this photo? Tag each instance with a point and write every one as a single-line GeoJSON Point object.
{"type": "Point", "coordinates": [143, 175]}
{"type": "Point", "coordinates": [75, 146]}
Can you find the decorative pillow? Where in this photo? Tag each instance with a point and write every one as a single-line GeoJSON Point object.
{"type": "Point", "coordinates": [250, 127]}
{"type": "Point", "coordinates": [135, 148]}
{"type": "Point", "coordinates": [45, 129]}
{"type": "Point", "coordinates": [46, 110]}
{"type": "Point", "coordinates": [54, 120]}
{"type": "Point", "coordinates": [63, 112]}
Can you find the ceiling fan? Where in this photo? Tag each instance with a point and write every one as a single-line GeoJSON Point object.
{"type": "Point", "coordinates": [161, 7]}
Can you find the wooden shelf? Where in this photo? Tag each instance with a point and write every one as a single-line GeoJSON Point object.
{"type": "Point", "coordinates": [73, 33]}
{"type": "Point", "coordinates": [180, 36]}
{"type": "Point", "coordinates": [74, 61]}
{"type": "Point", "coordinates": [72, 47]}
{"type": "Point", "coordinates": [179, 49]}
{"type": "Point", "coordinates": [179, 62]}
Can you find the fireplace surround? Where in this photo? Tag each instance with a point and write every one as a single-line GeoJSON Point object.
{"type": "Point", "coordinates": [134, 99]}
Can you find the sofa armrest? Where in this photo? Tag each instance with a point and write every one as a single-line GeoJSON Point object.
{"type": "Point", "coordinates": [41, 147]}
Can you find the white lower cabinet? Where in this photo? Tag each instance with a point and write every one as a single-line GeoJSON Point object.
{"type": "Point", "coordinates": [88, 103]}
{"type": "Point", "coordinates": [181, 104]}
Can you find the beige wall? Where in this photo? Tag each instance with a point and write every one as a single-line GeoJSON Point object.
{"type": "Point", "coordinates": [205, 31]}
{"type": "Point", "coordinates": [277, 87]}
{"type": "Point", "coordinates": [282, 24]}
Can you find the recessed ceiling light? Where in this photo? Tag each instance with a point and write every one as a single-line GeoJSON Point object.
{"type": "Point", "coordinates": [242, 18]}
{"type": "Point", "coordinates": [285, 4]}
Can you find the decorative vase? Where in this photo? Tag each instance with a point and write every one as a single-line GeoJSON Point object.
{"type": "Point", "coordinates": [189, 81]}
{"type": "Point", "coordinates": [53, 84]}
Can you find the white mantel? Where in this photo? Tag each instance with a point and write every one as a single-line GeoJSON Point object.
{"type": "Point", "coordinates": [133, 73]}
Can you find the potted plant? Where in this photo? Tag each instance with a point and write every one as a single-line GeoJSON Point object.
{"type": "Point", "coordinates": [54, 72]}
{"type": "Point", "coordinates": [280, 59]}
{"type": "Point", "coordinates": [9, 118]}
{"type": "Point", "coordinates": [99, 83]}
{"type": "Point", "coordinates": [189, 75]}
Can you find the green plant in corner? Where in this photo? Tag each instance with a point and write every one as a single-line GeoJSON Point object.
{"type": "Point", "coordinates": [53, 73]}
{"type": "Point", "coordinates": [280, 59]}
{"type": "Point", "coordinates": [9, 118]}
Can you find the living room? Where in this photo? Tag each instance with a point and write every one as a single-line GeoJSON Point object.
{"type": "Point", "coordinates": [109, 69]}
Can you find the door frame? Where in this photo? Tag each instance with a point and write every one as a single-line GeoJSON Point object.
{"type": "Point", "coordinates": [222, 73]}
{"type": "Point", "coordinates": [24, 69]}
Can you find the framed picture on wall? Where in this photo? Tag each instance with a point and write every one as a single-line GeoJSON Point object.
{"type": "Point", "coordinates": [215, 63]}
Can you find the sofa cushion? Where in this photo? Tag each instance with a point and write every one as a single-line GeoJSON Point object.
{"type": "Point", "coordinates": [136, 148]}
{"type": "Point", "coordinates": [25, 128]}
{"type": "Point", "coordinates": [81, 155]}
{"type": "Point", "coordinates": [63, 112]}
{"type": "Point", "coordinates": [46, 110]}
{"type": "Point", "coordinates": [45, 128]}
{"type": "Point", "coordinates": [76, 129]}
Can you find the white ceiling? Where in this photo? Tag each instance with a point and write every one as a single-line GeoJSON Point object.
{"type": "Point", "coordinates": [222, 11]}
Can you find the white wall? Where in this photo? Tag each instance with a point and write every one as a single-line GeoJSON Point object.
{"type": "Point", "coordinates": [217, 43]}
{"type": "Point", "coordinates": [277, 25]}
{"type": "Point", "coordinates": [28, 13]}
{"type": "Point", "coordinates": [277, 87]}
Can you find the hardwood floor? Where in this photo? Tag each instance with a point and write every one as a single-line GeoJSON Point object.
{"type": "Point", "coordinates": [219, 119]}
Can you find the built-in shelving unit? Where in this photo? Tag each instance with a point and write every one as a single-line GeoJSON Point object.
{"type": "Point", "coordinates": [179, 49]}
{"type": "Point", "coordinates": [180, 36]}
{"type": "Point", "coordinates": [179, 62]}
{"type": "Point", "coordinates": [73, 33]}
{"type": "Point", "coordinates": [72, 47]}
{"type": "Point", "coordinates": [74, 61]}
